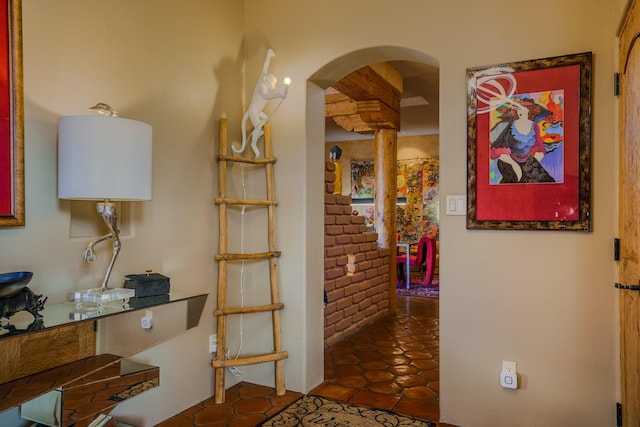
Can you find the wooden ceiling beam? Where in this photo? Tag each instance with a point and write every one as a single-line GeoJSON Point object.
{"type": "Point", "coordinates": [367, 100]}
{"type": "Point", "coordinates": [365, 84]}
{"type": "Point", "coordinates": [363, 116]}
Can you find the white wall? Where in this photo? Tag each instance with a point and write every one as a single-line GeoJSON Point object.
{"type": "Point", "coordinates": [176, 66]}
{"type": "Point", "coordinates": [543, 299]}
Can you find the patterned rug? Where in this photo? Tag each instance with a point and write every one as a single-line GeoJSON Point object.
{"type": "Point", "coordinates": [417, 288]}
{"type": "Point", "coordinates": [315, 411]}
{"type": "Point", "coordinates": [418, 291]}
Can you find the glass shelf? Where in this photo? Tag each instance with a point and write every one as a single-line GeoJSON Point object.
{"type": "Point", "coordinates": [55, 315]}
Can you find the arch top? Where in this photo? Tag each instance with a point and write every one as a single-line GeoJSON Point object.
{"type": "Point", "coordinates": [347, 63]}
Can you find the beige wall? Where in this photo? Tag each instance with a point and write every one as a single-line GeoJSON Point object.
{"type": "Point", "coordinates": [176, 66]}
{"type": "Point", "coordinates": [542, 299]}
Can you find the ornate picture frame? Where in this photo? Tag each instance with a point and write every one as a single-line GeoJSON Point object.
{"type": "Point", "coordinates": [12, 210]}
{"type": "Point", "coordinates": [529, 145]}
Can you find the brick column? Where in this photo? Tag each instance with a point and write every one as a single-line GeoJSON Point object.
{"type": "Point", "coordinates": [357, 291]}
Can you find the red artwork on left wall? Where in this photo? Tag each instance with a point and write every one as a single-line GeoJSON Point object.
{"type": "Point", "coordinates": [6, 145]}
{"type": "Point", "coordinates": [11, 117]}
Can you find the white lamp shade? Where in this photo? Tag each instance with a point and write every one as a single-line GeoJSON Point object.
{"type": "Point", "coordinates": [102, 157]}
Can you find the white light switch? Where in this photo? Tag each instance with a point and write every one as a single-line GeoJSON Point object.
{"type": "Point", "coordinates": [456, 205]}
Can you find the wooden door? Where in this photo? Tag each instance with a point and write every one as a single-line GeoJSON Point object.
{"type": "Point", "coordinates": [630, 215]}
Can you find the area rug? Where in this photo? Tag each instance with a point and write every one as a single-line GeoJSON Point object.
{"type": "Point", "coordinates": [417, 287]}
{"type": "Point", "coordinates": [418, 290]}
{"type": "Point", "coordinates": [315, 411]}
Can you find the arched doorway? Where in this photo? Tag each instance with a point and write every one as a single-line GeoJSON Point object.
{"type": "Point", "coordinates": [317, 84]}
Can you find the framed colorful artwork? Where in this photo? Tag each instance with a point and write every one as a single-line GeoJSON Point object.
{"type": "Point", "coordinates": [529, 145]}
{"type": "Point", "coordinates": [11, 117]}
{"type": "Point", "coordinates": [362, 179]}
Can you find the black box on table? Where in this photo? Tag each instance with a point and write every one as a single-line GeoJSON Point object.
{"type": "Point", "coordinates": [148, 284]}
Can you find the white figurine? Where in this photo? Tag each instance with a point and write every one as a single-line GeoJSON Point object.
{"type": "Point", "coordinates": [264, 91]}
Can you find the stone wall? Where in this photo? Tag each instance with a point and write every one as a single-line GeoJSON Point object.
{"type": "Point", "coordinates": [356, 271]}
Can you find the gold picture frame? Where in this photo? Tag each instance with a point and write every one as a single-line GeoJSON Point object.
{"type": "Point", "coordinates": [529, 145]}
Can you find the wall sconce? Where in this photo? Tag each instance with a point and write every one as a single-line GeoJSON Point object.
{"type": "Point", "coordinates": [104, 158]}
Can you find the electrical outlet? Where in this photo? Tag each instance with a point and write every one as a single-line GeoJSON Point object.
{"type": "Point", "coordinates": [509, 367]}
{"type": "Point", "coordinates": [147, 321]}
{"type": "Point", "coordinates": [509, 375]}
{"type": "Point", "coordinates": [213, 343]}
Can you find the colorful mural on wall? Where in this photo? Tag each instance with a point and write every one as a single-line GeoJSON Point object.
{"type": "Point", "coordinates": [418, 209]}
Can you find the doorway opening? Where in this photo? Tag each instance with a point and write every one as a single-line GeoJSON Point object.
{"type": "Point", "coordinates": [417, 141]}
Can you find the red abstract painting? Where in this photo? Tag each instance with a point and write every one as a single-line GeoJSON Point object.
{"type": "Point", "coordinates": [529, 145]}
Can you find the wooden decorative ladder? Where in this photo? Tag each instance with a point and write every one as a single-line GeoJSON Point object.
{"type": "Point", "coordinates": [224, 257]}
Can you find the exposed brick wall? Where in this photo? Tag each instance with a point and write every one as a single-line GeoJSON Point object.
{"type": "Point", "coordinates": [357, 294]}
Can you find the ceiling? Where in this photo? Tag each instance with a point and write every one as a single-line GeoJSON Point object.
{"type": "Point", "coordinates": [419, 105]}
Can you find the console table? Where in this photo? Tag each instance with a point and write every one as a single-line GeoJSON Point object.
{"type": "Point", "coordinates": [60, 356]}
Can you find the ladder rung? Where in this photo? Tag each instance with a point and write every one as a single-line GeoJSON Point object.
{"type": "Point", "coordinates": [247, 160]}
{"type": "Point", "coordinates": [271, 357]}
{"type": "Point", "coordinates": [235, 257]}
{"type": "Point", "coordinates": [255, 309]}
{"type": "Point", "coordinates": [227, 201]}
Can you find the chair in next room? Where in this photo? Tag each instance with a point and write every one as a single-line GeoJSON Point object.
{"type": "Point", "coordinates": [416, 260]}
{"type": "Point", "coordinates": [424, 257]}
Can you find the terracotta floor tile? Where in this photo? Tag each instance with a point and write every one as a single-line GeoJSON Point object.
{"type": "Point", "coordinates": [368, 355]}
{"type": "Point", "coordinates": [213, 414]}
{"type": "Point", "coordinates": [247, 421]}
{"type": "Point", "coordinates": [375, 400]}
{"type": "Point", "coordinates": [391, 351]}
{"type": "Point", "coordinates": [286, 400]}
{"type": "Point", "coordinates": [232, 395]}
{"type": "Point", "coordinates": [412, 346]}
{"type": "Point", "coordinates": [418, 408]}
{"type": "Point", "coordinates": [386, 387]}
{"type": "Point", "coordinates": [386, 342]}
{"type": "Point", "coordinates": [416, 355]}
{"type": "Point", "coordinates": [392, 364]}
{"type": "Point", "coordinates": [363, 347]}
{"type": "Point", "coordinates": [349, 359]}
{"type": "Point", "coordinates": [354, 381]}
{"type": "Point", "coordinates": [422, 393]}
{"type": "Point", "coordinates": [342, 351]}
{"type": "Point", "coordinates": [248, 391]}
{"type": "Point", "coordinates": [348, 371]}
{"type": "Point", "coordinates": [404, 370]}
{"type": "Point", "coordinates": [397, 360]}
{"type": "Point", "coordinates": [431, 374]}
{"type": "Point", "coordinates": [258, 405]}
{"type": "Point", "coordinates": [410, 380]}
{"type": "Point", "coordinates": [425, 364]}
{"type": "Point", "coordinates": [375, 376]}
{"type": "Point", "coordinates": [374, 365]}
{"type": "Point", "coordinates": [334, 391]}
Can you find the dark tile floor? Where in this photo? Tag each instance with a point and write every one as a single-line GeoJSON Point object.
{"type": "Point", "coordinates": [391, 364]}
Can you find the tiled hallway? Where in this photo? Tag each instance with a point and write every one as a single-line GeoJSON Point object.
{"type": "Point", "coordinates": [391, 364]}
